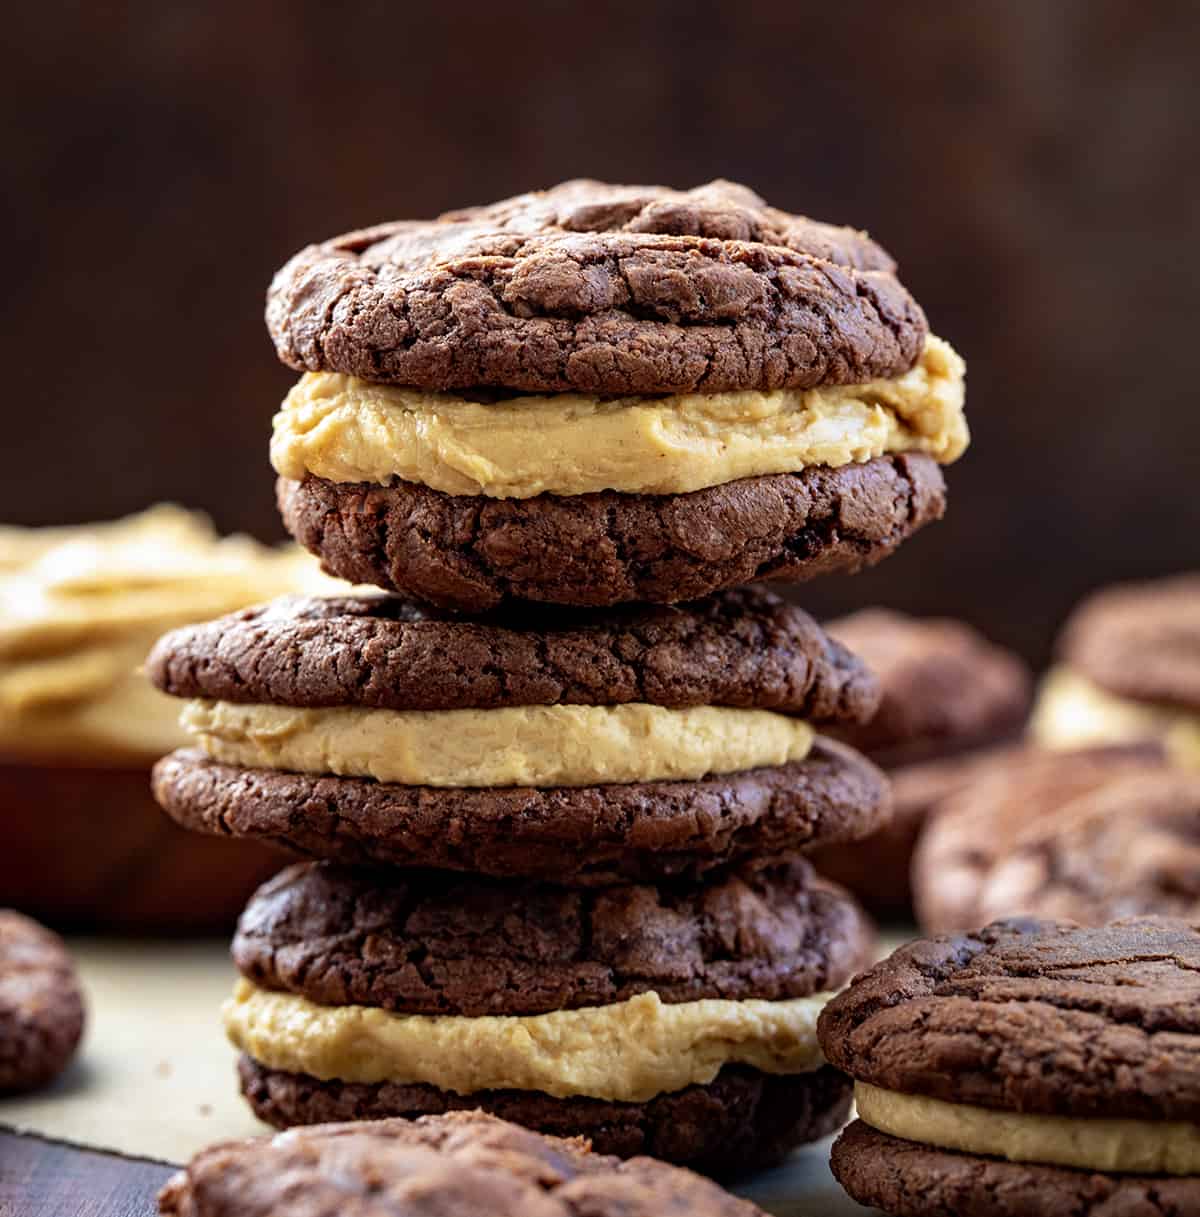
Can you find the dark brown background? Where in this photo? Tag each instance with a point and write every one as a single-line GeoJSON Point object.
{"type": "Point", "coordinates": [1033, 165]}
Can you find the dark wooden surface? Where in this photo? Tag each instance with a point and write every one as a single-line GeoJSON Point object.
{"type": "Point", "coordinates": [40, 1178]}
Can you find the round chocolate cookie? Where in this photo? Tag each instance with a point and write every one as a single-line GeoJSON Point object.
{"type": "Point", "coordinates": [600, 289]}
{"type": "Point", "coordinates": [340, 936]}
{"type": "Point", "coordinates": [457, 1165]}
{"type": "Point", "coordinates": [908, 1179]}
{"type": "Point", "coordinates": [1140, 641]}
{"type": "Point", "coordinates": [41, 1005]}
{"type": "Point", "coordinates": [579, 835]}
{"type": "Point", "coordinates": [739, 1122]}
{"type": "Point", "coordinates": [746, 648]}
{"type": "Point", "coordinates": [1018, 838]}
{"type": "Point", "coordinates": [945, 687]}
{"type": "Point", "coordinates": [472, 553]}
{"type": "Point", "coordinates": [1032, 1016]}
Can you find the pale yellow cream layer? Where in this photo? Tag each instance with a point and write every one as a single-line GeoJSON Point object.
{"type": "Point", "coordinates": [627, 1052]}
{"type": "Point", "coordinates": [1073, 712]}
{"type": "Point", "coordinates": [80, 608]}
{"type": "Point", "coordinates": [348, 430]}
{"type": "Point", "coordinates": [515, 746]}
{"type": "Point", "coordinates": [1138, 1146]}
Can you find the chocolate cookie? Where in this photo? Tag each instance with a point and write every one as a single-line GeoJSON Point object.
{"type": "Point", "coordinates": [600, 289]}
{"type": "Point", "coordinates": [744, 648]}
{"type": "Point", "coordinates": [41, 1005]}
{"type": "Point", "coordinates": [1032, 1068]}
{"type": "Point", "coordinates": [457, 1165]}
{"type": "Point", "coordinates": [472, 553]}
{"type": "Point", "coordinates": [579, 835]}
{"type": "Point", "coordinates": [1140, 641]}
{"type": "Point", "coordinates": [908, 1179]}
{"type": "Point", "coordinates": [341, 936]}
{"type": "Point", "coordinates": [1011, 812]}
{"type": "Point", "coordinates": [659, 975]}
{"type": "Point", "coordinates": [1129, 846]}
{"type": "Point", "coordinates": [1033, 1017]}
{"type": "Point", "coordinates": [945, 687]}
{"type": "Point", "coordinates": [739, 1122]}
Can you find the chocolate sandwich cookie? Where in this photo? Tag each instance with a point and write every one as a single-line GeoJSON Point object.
{"type": "Point", "coordinates": [1031, 1069]}
{"type": "Point", "coordinates": [1129, 670]}
{"type": "Point", "coordinates": [41, 1005]}
{"type": "Point", "coordinates": [676, 1019]}
{"type": "Point", "coordinates": [575, 746]}
{"type": "Point", "coordinates": [458, 1165]}
{"type": "Point", "coordinates": [950, 701]}
{"type": "Point", "coordinates": [598, 394]}
{"type": "Point", "coordinates": [987, 851]}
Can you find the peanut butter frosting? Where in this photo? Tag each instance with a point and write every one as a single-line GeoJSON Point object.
{"type": "Point", "coordinates": [343, 429]}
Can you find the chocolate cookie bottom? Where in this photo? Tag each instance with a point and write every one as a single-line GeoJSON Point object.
{"type": "Point", "coordinates": [908, 1179]}
{"type": "Point", "coordinates": [472, 553]}
{"type": "Point", "coordinates": [579, 835]}
{"type": "Point", "coordinates": [742, 1120]}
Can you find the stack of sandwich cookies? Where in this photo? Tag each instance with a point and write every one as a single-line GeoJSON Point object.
{"type": "Point", "coordinates": [1031, 1069]}
{"type": "Point", "coordinates": [598, 394]}
{"type": "Point", "coordinates": [677, 1020]}
{"type": "Point", "coordinates": [557, 784]}
{"type": "Point", "coordinates": [637, 968]}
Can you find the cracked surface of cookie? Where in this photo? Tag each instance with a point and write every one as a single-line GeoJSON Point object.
{"type": "Point", "coordinates": [600, 289]}
{"type": "Point", "coordinates": [472, 553]}
{"type": "Point", "coordinates": [41, 1004]}
{"type": "Point", "coordinates": [740, 1121]}
{"type": "Point", "coordinates": [746, 648]}
{"type": "Point", "coordinates": [908, 1179]}
{"type": "Point", "coordinates": [1018, 798]}
{"type": "Point", "coordinates": [1033, 1016]}
{"type": "Point", "coordinates": [427, 943]}
{"type": "Point", "coordinates": [1131, 846]}
{"type": "Point", "coordinates": [454, 1165]}
{"type": "Point", "coordinates": [582, 835]}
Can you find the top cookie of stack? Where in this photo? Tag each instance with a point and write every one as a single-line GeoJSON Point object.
{"type": "Point", "coordinates": [599, 394]}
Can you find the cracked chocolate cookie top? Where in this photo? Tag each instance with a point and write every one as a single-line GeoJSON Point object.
{"type": "Point", "coordinates": [985, 852]}
{"type": "Point", "coordinates": [1129, 846]}
{"type": "Point", "coordinates": [1140, 640]}
{"type": "Point", "coordinates": [41, 1005]}
{"type": "Point", "coordinates": [744, 648]}
{"type": "Point", "coordinates": [596, 288]}
{"type": "Point", "coordinates": [1033, 1016]}
{"type": "Point", "coordinates": [462, 1163]}
{"type": "Point", "coordinates": [421, 942]}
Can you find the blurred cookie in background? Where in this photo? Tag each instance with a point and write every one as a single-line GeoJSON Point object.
{"type": "Point", "coordinates": [1129, 669]}
{"type": "Point", "coordinates": [1087, 835]}
{"type": "Point", "coordinates": [41, 1005]}
{"type": "Point", "coordinates": [80, 726]}
{"type": "Point", "coordinates": [950, 699]}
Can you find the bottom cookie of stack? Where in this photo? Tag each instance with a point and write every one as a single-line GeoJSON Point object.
{"type": "Point", "coordinates": [675, 1019]}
